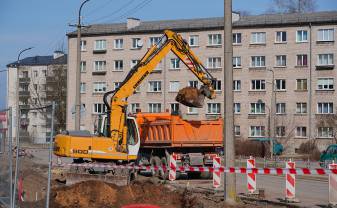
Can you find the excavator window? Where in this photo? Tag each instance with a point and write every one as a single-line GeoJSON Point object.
{"type": "Point", "coordinates": [132, 132]}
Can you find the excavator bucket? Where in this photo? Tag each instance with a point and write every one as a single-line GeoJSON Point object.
{"type": "Point", "coordinates": [191, 97]}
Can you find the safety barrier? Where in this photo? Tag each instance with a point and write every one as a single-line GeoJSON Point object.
{"type": "Point", "coordinates": [333, 185]}
{"type": "Point", "coordinates": [290, 183]}
{"type": "Point", "coordinates": [216, 174]}
{"type": "Point", "coordinates": [251, 177]}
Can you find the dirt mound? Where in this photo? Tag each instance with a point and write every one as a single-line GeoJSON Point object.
{"type": "Point", "coordinates": [97, 194]}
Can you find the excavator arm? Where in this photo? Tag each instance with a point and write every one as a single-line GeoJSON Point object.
{"type": "Point", "coordinates": [117, 107]}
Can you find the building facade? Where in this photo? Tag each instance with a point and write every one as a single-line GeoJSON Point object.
{"type": "Point", "coordinates": [35, 80]}
{"type": "Point", "coordinates": [283, 69]}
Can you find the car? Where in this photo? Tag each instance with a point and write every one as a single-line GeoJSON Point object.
{"type": "Point", "coordinates": [328, 156]}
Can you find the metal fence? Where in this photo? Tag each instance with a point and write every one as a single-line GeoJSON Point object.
{"type": "Point", "coordinates": [25, 165]}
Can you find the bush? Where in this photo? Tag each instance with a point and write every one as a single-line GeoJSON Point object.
{"type": "Point", "coordinates": [310, 148]}
{"type": "Point", "coordinates": [252, 148]}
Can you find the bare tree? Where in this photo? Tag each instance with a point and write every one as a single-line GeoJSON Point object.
{"type": "Point", "coordinates": [328, 121]}
{"type": "Point", "coordinates": [292, 6]}
{"type": "Point", "coordinates": [285, 138]}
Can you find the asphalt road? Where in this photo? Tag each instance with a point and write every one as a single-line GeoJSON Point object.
{"type": "Point", "coordinates": [310, 192]}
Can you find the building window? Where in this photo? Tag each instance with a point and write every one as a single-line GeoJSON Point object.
{"type": "Point", "coordinates": [258, 38]}
{"type": "Point", "coordinates": [216, 85]}
{"type": "Point", "coordinates": [193, 84]}
{"type": "Point", "coordinates": [280, 131]}
{"type": "Point", "coordinates": [99, 65]}
{"type": "Point", "coordinates": [153, 41]}
{"type": "Point", "coordinates": [214, 39]}
{"type": "Point", "coordinates": [99, 108]}
{"type": "Point", "coordinates": [118, 44]}
{"type": "Point", "coordinates": [134, 63]}
{"type": "Point", "coordinates": [236, 38]}
{"type": "Point", "coordinates": [35, 87]}
{"type": "Point", "coordinates": [154, 107]}
{"type": "Point", "coordinates": [257, 108]}
{"type": "Point", "coordinates": [280, 108]}
{"type": "Point", "coordinates": [99, 87]}
{"type": "Point", "coordinates": [237, 131]}
{"type": "Point", "coordinates": [237, 85]}
{"type": "Point", "coordinates": [237, 62]}
{"type": "Point", "coordinates": [280, 84]}
{"type": "Point", "coordinates": [325, 59]}
{"type": "Point", "coordinates": [136, 43]}
{"type": "Point", "coordinates": [301, 84]}
{"type": "Point", "coordinates": [325, 132]}
{"type": "Point", "coordinates": [191, 110]}
{"type": "Point", "coordinates": [174, 108]}
{"type": "Point", "coordinates": [257, 131]}
{"type": "Point", "coordinates": [175, 63]}
{"type": "Point", "coordinates": [301, 131]}
{"type": "Point", "coordinates": [302, 60]}
{"type": "Point", "coordinates": [193, 40]}
{"type": "Point", "coordinates": [83, 45]}
{"type": "Point", "coordinates": [135, 107]}
{"type": "Point", "coordinates": [118, 65]}
{"type": "Point", "coordinates": [259, 84]}
{"type": "Point", "coordinates": [83, 66]}
{"type": "Point", "coordinates": [324, 108]}
{"type": "Point", "coordinates": [116, 85]}
{"type": "Point", "coordinates": [258, 61]}
{"type": "Point", "coordinates": [281, 60]}
{"type": "Point", "coordinates": [213, 108]}
{"type": "Point", "coordinates": [237, 108]}
{"type": "Point", "coordinates": [214, 63]}
{"type": "Point", "coordinates": [35, 74]}
{"type": "Point", "coordinates": [325, 35]}
{"type": "Point", "coordinates": [301, 36]}
{"type": "Point", "coordinates": [82, 87]}
{"type": "Point", "coordinates": [174, 86]}
{"type": "Point", "coordinates": [325, 84]}
{"type": "Point", "coordinates": [281, 37]}
{"type": "Point", "coordinates": [154, 86]}
{"type": "Point", "coordinates": [100, 45]}
{"type": "Point", "coordinates": [301, 108]}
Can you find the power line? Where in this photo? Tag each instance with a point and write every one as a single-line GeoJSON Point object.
{"type": "Point", "coordinates": [114, 12]}
{"type": "Point", "coordinates": [97, 8]}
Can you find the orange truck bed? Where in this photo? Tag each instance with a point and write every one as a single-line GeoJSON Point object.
{"type": "Point", "coordinates": [166, 130]}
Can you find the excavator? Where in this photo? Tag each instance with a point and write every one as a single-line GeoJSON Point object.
{"type": "Point", "coordinates": [117, 138]}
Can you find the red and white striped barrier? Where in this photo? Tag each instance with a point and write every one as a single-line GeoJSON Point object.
{"type": "Point", "coordinates": [173, 167]}
{"type": "Point", "coordinates": [216, 174]}
{"type": "Point", "coordinates": [238, 170]}
{"type": "Point", "coordinates": [290, 182]}
{"type": "Point", "coordinates": [251, 177]}
{"type": "Point", "coordinates": [333, 185]}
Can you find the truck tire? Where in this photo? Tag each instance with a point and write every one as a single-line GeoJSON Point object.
{"type": "Point", "coordinates": [155, 161]}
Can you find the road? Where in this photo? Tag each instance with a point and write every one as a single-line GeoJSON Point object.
{"type": "Point", "coordinates": [312, 192]}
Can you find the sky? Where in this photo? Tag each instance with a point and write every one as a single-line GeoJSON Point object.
{"type": "Point", "coordinates": [43, 24]}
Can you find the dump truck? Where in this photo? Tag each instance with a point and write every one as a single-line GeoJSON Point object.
{"type": "Point", "coordinates": [194, 142]}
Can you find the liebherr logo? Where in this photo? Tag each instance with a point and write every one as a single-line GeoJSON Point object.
{"type": "Point", "coordinates": [78, 151]}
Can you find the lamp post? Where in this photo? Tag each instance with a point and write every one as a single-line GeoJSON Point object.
{"type": "Point", "coordinates": [272, 115]}
{"type": "Point", "coordinates": [78, 71]}
{"type": "Point", "coordinates": [17, 122]}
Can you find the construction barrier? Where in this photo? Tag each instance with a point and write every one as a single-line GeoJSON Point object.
{"type": "Point", "coordinates": [333, 185]}
{"type": "Point", "coordinates": [251, 177]}
{"type": "Point", "coordinates": [290, 182]}
{"type": "Point", "coordinates": [173, 167]}
{"type": "Point", "coordinates": [238, 170]}
{"type": "Point", "coordinates": [216, 174]}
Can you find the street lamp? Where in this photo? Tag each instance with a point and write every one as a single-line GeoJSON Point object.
{"type": "Point", "coordinates": [17, 122]}
{"type": "Point", "coordinates": [78, 71]}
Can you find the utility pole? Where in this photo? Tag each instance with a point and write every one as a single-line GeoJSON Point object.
{"type": "Point", "coordinates": [78, 70]}
{"type": "Point", "coordinates": [228, 129]}
{"type": "Point", "coordinates": [272, 113]}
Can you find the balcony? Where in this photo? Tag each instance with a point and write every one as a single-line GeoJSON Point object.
{"type": "Point", "coordinates": [99, 51]}
{"type": "Point", "coordinates": [24, 80]}
{"type": "Point", "coordinates": [325, 67]}
{"type": "Point", "coordinates": [24, 93]}
{"type": "Point", "coordinates": [99, 72]}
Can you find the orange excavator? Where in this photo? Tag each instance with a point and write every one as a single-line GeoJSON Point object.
{"type": "Point", "coordinates": [118, 138]}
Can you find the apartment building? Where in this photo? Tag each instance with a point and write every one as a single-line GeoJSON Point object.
{"type": "Point", "coordinates": [37, 79]}
{"type": "Point", "coordinates": [283, 68]}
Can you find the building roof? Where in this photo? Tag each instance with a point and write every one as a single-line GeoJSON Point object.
{"type": "Point", "coordinates": [268, 20]}
{"type": "Point", "coordinates": [40, 61]}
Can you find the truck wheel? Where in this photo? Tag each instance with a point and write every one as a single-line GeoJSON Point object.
{"type": "Point", "coordinates": [155, 161]}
